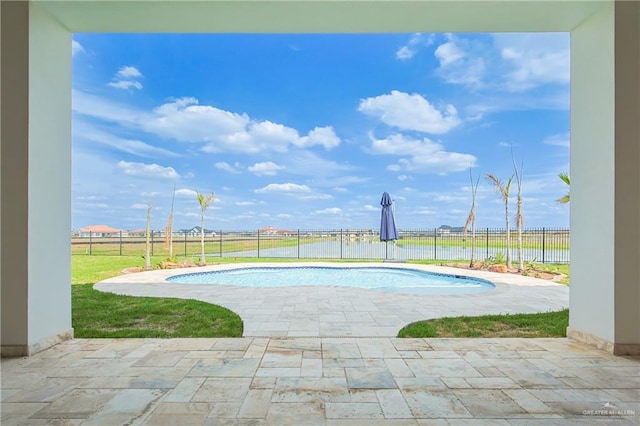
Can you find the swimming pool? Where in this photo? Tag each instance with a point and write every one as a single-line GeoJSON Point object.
{"type": "Point", "coordinates": [396, 280]}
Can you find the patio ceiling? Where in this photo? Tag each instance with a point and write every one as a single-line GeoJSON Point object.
{"type": "Point", "coordinates": [321, 16]}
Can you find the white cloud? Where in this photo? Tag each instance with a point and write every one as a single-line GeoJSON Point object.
{"type": "Point", "coordinates": [126, 78]}
{"type": "Point", "coordinates": [403, 177]}
{"type": "Point", "coordinates": [76, 48]}
{"type": "Point", "coordinates": [448, 53]}
{"type": "Point", "coordinates": [128, 72]}
{"type": "Point", "coordinates": [147, 170]}
{"type": "Point", "coordinates": [329, 211]}
{"type": "Point", "coordinates": [91, 197]}
{"type": "Point", "coordinates": [245, 203]}
{"type": "Point", "coordinates": [447, 198]}
{"type": "Point", "coordinates": [124, 85]}
{"type": "Point", "coordinates": [462, 61]}
{"type": "Point", "coordinates": [273, 133]}
{"type": "Point", "coordinates": [303, 162]}
{"type": "Point", "coordinates": [560, 139]}
{"type": "Point", "coordinates": [221, 165]}
{"type": "Point", "coordinates": [424, 211]}
{"type": "Point", "coordinates": [93, 205]}
{"type": "Point", "coordinates": [103, 109]}
{"type": "Point", "coordinates": [184, 120]}
{"type": "Point", "coordinates": [405, 52]}
{"type": "Point", "coordinates": [324, 136]}
{"type": "Point", "coordinates": [267, 168]}
{"type": "Point", "coordinates": [417, 40]}
{"type": "Point", "coordinates": [370, 208]}
{"type": "Point", "coordinates": [139, 206]}
{"type": "Point", "coordinates": [82, 130]}
{"type": "Point", "coordinates": [317, 197]}
{"type": "Point", "coordinates": [283, 188]}
{"type": "Point", "coordinates": [223, 131]}
{"type": "Point", "coordinates": [424, 156]}
{"type": "Point", "coordinates": [534, 59]}
{"type": "Point", "coordinates": [505, 62]}
{"type": "Point", "coordinates": [410, 112]}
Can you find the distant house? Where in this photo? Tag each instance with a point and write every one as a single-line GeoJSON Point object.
{"type": "Point", "coordinates": [448, 230]}
{"type": "Point", "coordinates": [102, 231]}
{"type": "Point", "coordinates": [138, 233]}
{"type": "Point", "coordinates": [270, 230]}
{"type": "Point", "coordinates": [195, 232]}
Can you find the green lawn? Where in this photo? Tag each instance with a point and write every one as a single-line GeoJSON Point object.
{"type": "Point", "coordinates": [549, 324]}
{"type": "Point", "coordinates": [98, 314]}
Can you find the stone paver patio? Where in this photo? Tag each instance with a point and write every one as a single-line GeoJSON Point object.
{"type": "Point", "coordinates": [326, 311]}
{"type": "Point", "coordinates": [326, 356]}
{"type": "Point", "coordinates": [320, 381]}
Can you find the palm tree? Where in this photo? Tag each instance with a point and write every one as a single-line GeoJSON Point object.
{"type": "Point", "coordinates": [504, 192]}
{"type": "Point", "coordinates": [519, 214]}
{"type": "Point", "coordinates": [565, 178]}
{"type": "Point", "coordinates": [168, 230]}
{"type": "Point", "coordinates": [471, 220]}
{"type": "Point", "coordinates": [205, 202]}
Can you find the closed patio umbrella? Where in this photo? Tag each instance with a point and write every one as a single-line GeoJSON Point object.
{"type": "Point", "coordinates": [388, 230]}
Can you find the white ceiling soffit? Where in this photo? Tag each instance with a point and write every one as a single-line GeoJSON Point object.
{"type": "Point", "coordinates": [304, 16]}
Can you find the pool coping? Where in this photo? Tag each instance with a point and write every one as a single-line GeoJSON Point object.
{"type": "Point", "coordinates": [336, 311]}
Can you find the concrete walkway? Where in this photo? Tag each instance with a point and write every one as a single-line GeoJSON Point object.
{"type": "Point", "coordinates": [320, 381]}
{"type": "Point", "coordinates": [326, 311]}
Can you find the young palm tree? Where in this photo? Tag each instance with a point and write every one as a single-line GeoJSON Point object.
{"type": "Point", "coordinates": [519, 214]}
{"type": "Point", "coordinates": [205, 202]}
{"type": "Point", "coordinates": [471, 220]}
{"type": "Point", "coordinates": [504, 192]}
{"type": "Point", "coordinates": [565, 178]}
{"type": "Point", "coordinates": [168, 230]}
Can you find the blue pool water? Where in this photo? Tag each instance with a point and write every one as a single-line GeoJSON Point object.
{"type": "Point", "coordinates": [397, 280]}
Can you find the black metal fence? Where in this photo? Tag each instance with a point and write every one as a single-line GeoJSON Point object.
{"type": "Point", "coordinates": [544, 245]}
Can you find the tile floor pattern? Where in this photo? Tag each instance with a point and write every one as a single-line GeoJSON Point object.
{"type": "Point", "coordinates": [320, 381]}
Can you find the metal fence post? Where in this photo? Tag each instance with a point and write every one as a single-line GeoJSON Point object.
{"type": "Point", "coordinates": [298, 243]}
{"type": "Point", "coordinates": [120, 243]}
{"type": "Point", "coordinates": [151, 243]}
{"type": "Point", "coordinates": [435, 243]}
{"type": "Point", "coordinates": [543, 243]}
{"type": "Point", "coordinates": [258, 243]}
{"type": "Point", "coordinates": [90, 243]}
{"type": "Point", "coordinates": [487, 256]}
{"type": "Point", "coordinates": [185, 244]}
{"type": "Point", "coordinates": [221, 243]}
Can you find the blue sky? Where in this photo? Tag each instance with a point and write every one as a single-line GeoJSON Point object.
{"type": "Point", "coordinates": [308, 131]}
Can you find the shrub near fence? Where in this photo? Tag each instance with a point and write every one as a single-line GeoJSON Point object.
{"type": "Point", "coordinates": [544, 245]}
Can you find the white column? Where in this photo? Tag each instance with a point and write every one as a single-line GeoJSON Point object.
{"type": "Point", "coordinates": [605, 180]}
{"type": "Point", "coordinates": [36, 180]}
{"type": "Point", "coordinates": [627, 177]}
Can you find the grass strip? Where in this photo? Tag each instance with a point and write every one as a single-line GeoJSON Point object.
{"type": "Point", "coordinates": [96, 314]}
{"type": "Point", "coordinates": [547, 324]}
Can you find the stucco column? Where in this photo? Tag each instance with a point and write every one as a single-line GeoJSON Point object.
{"type": "Point", "coordinates": [35, 180]}
{"type": "Point", "coordinates": [605, 179]}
